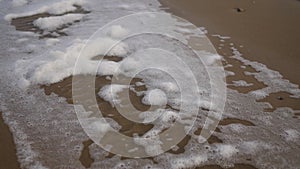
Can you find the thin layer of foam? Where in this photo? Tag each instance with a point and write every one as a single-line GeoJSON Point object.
{"type": "Point", "coordinates": [18, 3]}
{"type": "Point", "coordinates": [63, 63]}
{"type": "Point", "coordinates": [227, 151]}
{"type": "Point", "coordinates": [241, 83]}
{"type": "Point", "coordinates": [52, 41]}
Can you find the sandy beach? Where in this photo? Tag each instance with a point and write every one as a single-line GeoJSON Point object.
{"type": "Point", "coordinates": [261, 113]}
{"type": "Point", "coordinates": [268, 30]}
{"type": "Point", "coordinates": [8, 157]}
{"type": "Point", "coordinates": [263, 31]}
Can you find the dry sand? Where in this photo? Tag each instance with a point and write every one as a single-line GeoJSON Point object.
{"type": "Point", "coordinates": [269, 30]}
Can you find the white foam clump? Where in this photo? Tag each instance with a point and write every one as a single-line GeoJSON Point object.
{"type": "Point", "coordinates": [241, 83]}
{"type": "Point", "coordinates": [292, 134]}
{"type": "Point", "coordinates": [155, 97]}
{"type": "Point", "coordinates": [97, 127]}
{"type": "Point", "coordinates": [64, 62]}
{"type": "Point", "coordinates": [169, 116]}
{"type": "Point", "coordinates": [189, 161]}
{"type": "Point", "coordinates": [229, 73]}
{"type": "Point", "coordinates": [211, 59]}
{"type": "Point", "coordinates": [226, 151]}
{"type": "Point", "coordinates": [150, 116]}
{"type": "Point", "coordinates": [221, 37]}
{"type": "Point", "coordinates": [107, 68]}
{"type": "Point", "coordinates": [110, 93]}
{"type": "Point", "coordinates": [168, 86]}
{"type": "Point", "coordinates": [54, 22]}
{"type": "Point", "coordinates": [165, 116]}
{"type": "Point", "coordinates": [117, 31]}
{"type": "Point", "coordinates": [151, 142]}
{"type": "Point", "coordinates": [104, 46]}
{"type": "Point", "coordinates": [252, 147]}
{"type": "Point", "coordinates": [259, 94]}
{"type": "Point", "coordinates": [56, 8]}
{"type": "Point", "coordinates": [148, 58]}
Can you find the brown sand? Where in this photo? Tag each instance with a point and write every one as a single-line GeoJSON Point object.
{"type": "Point", "coordinates": [8, 158]}
{"type": "Point", "coordinates": [228, 121]}
{"type": "Point", "coordinates": [269, 30]}
{"type": "Point", "coordinates": [266, 31]}
{"type": "Point", "coordinates": [281, 99]}
{"type": "Point", "coordinates": [85, 158]}
{"type": "Point", "coordinates": [64, 89]}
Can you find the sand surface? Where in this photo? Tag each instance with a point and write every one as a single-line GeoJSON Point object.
{"type": "Point", "coordinates": [268, 30]}
{"type": "Point", "coordinates": [8, 158]}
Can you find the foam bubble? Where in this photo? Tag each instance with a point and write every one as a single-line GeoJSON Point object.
{"type": "Point", "coordinates": [117, 31]}
{"type": "Point", "coordinates": [291, 134]}
{"type": "Point", "coordinates": [110, 93]}
{"type": "Point", "coordinates": [227, 151]}
{"type": "Point", "coordinates": [189, 161]}
{"type": "Point", "coordinates": [155, 97]}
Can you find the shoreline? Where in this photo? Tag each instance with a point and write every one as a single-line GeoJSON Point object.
{"type": "Point", "coordinates": [8, 156]}
{"type": "Point", "coordinates": [257, 27]}
{"type": "Point", "coordinates": [8, 148]}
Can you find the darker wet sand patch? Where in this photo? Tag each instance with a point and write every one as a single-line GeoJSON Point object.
{"type": "Point", "coordinates": [110, 58]}
{"type": "Point", "coordinates": [8, 157]}
{"type": "Point", "coordinates": [281, 99]}
{"type": "Point", "coordinates": [212, 139]}
{"type": "Point", "coordinates": [180, 146]}
{"type": "Point", "coordinates": [237, 67]}
{"type": "Point", "coordinates": [297, 114]}
{"type": "Point", "coordinates": [239, 70]}
{"type": "Point", "coordinates": [25, 23]}
{"type": "Point", "coordinates": [129, 128]}
{"type": "Point", "coordinates": [85, 157]}
{"type": "Point", "coordinates": [228, 121]}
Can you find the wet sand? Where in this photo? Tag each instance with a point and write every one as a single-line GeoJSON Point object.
{"type": "Point", "coordinates": [265, 31]}
{"type": "Point", "coordinates": [268, 30]}
{"type": "Point", "coordinates": [26, 23]}
{"type": "Point", "coordinates": [8, 158]}
{"type": "Point", "coordinates": [129, 128]}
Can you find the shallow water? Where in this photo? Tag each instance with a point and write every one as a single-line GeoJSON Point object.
{"type": "Point", "coordinates": [46, 134]}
